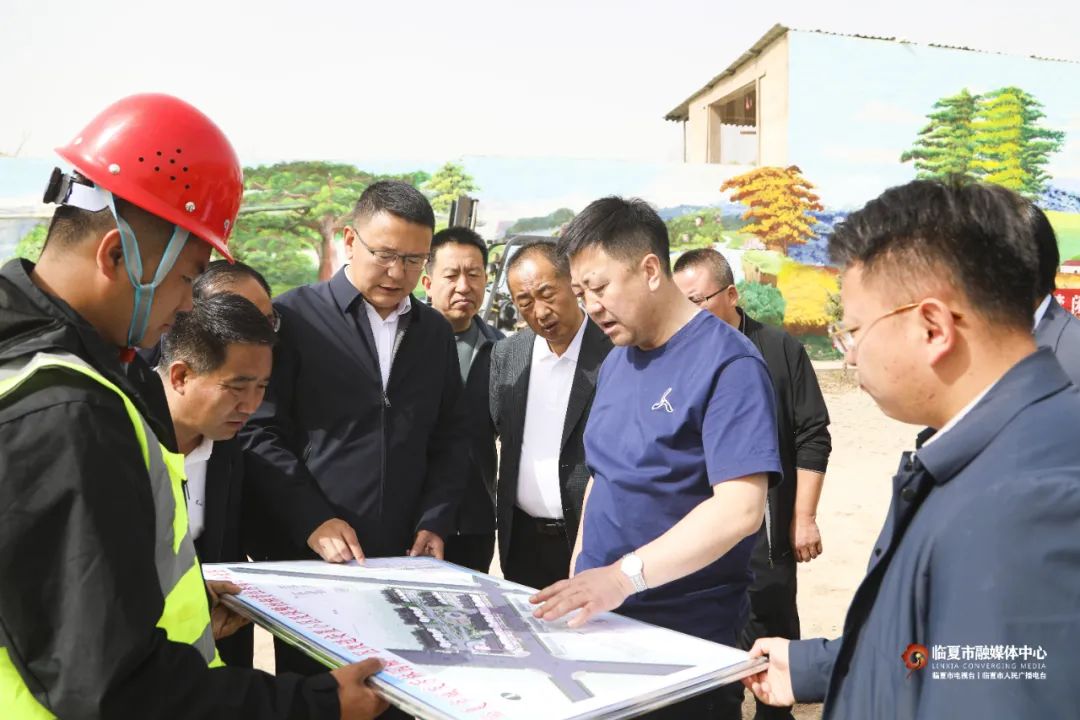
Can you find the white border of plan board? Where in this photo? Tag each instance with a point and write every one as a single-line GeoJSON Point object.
{"type": "Point", "coordinates": [462, 645]}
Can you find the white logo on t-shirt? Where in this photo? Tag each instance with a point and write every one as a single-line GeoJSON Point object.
{"type": "Point", "coordinates": [663, 403]}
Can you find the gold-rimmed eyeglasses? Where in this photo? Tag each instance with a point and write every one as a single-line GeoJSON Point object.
{"type": "Point", "coordinates": [843, 335]}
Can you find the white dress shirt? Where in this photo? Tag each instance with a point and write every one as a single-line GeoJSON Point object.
{"type": "Point", "coordinates": [1041, 310]}
{"type": "Point", "coordinates": [195, 463]}
{"type": "Point", "coordinates": [385, 332]}
{"type": "Point", "coordinates": [550, 379]}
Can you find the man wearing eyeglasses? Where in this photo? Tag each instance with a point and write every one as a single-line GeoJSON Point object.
{"type": "Point", "coordinates": [979, 549]}
{"type": "Point", "coordinates": [365, 400]}
{"type": "Point", "coordinates": [789, 533]}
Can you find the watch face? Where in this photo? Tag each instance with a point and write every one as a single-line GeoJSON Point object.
{"type": "Point", "coordinates": [631, 565]}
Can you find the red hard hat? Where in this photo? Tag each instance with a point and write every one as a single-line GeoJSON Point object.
{"type": "Point", "coordinates": [164, 156]}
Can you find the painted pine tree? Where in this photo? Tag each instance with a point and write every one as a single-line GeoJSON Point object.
{"type": "Point", "coordinates": [999, 141]}
{"type": "Point", "coordinates": [779, 202]}
{"type": "Point", "coordinates": [945, 146]}
{"type": "Point", "coordinates": [997, 137]}
{"type": "Point", "coordinates": [1039, 143]}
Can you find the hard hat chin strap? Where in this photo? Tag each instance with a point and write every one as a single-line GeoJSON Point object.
{"type": "Point", "coordinates": [144, 293]}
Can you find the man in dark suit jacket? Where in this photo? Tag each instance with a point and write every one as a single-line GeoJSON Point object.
{"type": "Point", "coordinates": [455, 281]}
{"type": "Point", "coordinates": [279, 512]}
{"type": "Point", "coordinates": [540, 414]}
{"type": "Point", "coordinates": [979, 548]}
{"type": "Point", "coordinates": [1055, 327]}
{"type": "Point", "coordinates": [214, 365]}
{"type": "Point", "coordinates": [365, 400]}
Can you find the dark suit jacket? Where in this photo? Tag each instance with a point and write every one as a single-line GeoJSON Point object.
{"type": "Point", "coordinates": [1059, 330]}
{"type": "Point", "coordinates": [511, 361]}
{"type": "Point", "coordinates": [980, 548]}
{"type": "Point", "coordinates": [390, 463]}
{"type": "Point", "coordinates": [802, 421]}
{"type": "Point", "coordinates": [476, 515]}
{"type": "Point", "coordinates": [223, 538]}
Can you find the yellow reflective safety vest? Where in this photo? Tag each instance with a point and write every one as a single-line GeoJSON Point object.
{"type": "Point", "coordinates": [186, 617]}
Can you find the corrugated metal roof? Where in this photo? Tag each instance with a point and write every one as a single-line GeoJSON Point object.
{"type": "Point", "coordinates": [777, 31]}
{"type": "Point", "coordinates": [774, 33]}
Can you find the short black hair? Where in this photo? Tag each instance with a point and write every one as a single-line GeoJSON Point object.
{"type": "Point", "coordinates": [202, 336]}
{"type": "Point", "coordinates": [400, 199]}
{"type": "Point", "coordinates": [539, 248]}
{"type": "Point", "coordinates": [1046, 245]}
{"type": "Point", "coordinates": [974, 236]}
{"type": "Point", "coordinates": [70, 224]}
{"type": "Point", "coordinates": [625, 228]}
{"type": "Point", "coordinates": [220, 274]}
{"type": "Point", "coordinates": [461, 236]}
{"type": "Point", "coordinates": [707, 258]}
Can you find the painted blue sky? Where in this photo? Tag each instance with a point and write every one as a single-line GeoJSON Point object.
{"type": "Point", "coordinates": [856, 105]}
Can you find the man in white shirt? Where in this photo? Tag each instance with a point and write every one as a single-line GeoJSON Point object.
{"type": "Point", "coordinates": [215, 365]}
{"type": "Point", "coordinates": [542, 385]}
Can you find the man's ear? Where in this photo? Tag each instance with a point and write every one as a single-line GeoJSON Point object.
{"type": "Point", "coordinates": [179, 375]}
{"type": "Point", "coordinates": [653, 270]}
{"type": "Point", "coordinates": [938, 327]}
{"type": "Point", "coordinates": [426, 282]}
{"type": "Point", "coordinates": [349, 236]}
{"type": "Point", "coordinates": [733, 295]}
{"type": "Point", "coordinates": [110, 255]}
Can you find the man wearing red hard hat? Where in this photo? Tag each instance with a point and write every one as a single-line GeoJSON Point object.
{"type": "Point", "coordinates": [103, 610]}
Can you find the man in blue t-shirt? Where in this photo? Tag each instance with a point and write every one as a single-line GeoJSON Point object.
{"type": "Point", "coordinates": [681, 442]}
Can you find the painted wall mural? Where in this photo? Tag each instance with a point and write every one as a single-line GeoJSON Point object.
{"type": "Point", "coordinates": [861, 115]}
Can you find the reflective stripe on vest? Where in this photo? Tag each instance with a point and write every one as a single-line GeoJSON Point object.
{"type": "Point", "coordinates": [186, 617]}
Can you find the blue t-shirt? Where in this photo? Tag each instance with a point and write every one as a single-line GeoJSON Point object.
{"type": "Point", "coordinates": [666, 426]}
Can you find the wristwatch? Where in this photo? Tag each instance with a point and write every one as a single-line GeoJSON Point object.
{"type": "Point", "coordinates": [632, 567]}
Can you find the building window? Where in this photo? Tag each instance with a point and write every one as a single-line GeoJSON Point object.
{"type": "Point", "coordinates": [733, 128]}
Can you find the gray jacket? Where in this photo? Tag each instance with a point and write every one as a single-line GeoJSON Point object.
{"type": "Point", "coordinates": [1059, 330]}
{"type": "Point", "coordinates": [980, 549]}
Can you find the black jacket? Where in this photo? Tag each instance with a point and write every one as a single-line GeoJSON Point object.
{"type": "Point", "coordinates": [511, 361]}
{"type": "Point", "coordinates": [391, 464]}
{"type": "Point", "coordinates": [476, 515]}
{"type": "Point", "coordinates": [802, 420]}
{"type": "Point", "coordinates": [79, 594]}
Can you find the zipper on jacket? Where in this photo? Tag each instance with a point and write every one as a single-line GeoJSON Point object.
{"type": "Point", "coordinates": [768, 528]}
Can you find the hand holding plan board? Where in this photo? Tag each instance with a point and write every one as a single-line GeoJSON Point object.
{"type": "Point", "coordinates": [458, 644]}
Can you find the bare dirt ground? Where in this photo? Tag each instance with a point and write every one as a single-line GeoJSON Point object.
{"type": "Point", "coordinates": [866, 450]}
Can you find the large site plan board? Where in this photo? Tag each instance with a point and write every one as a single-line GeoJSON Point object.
{"type": "Point", "coordinates": [459, 644]}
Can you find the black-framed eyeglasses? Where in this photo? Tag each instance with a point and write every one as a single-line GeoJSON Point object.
{"type": "Point", "coordinates": [388, 258]}
{"type": "Point", "coordinates": [699, 300]}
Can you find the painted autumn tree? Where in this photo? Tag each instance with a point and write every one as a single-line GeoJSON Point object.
{"type": "Point", "coordinates": [945, 147]}
{"type": "Point", "coordinates": [448, 182]}
{"type": "Point", "coordinates": [997, 137]}
{"type": "Point", "coordinates": [779, 202]}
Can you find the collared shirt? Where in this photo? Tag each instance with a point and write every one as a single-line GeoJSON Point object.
{"type": "Point", "coordinates": [195, 463]}
{"type": "Point", "coordinates": [1041, 310]}
{"type": "Point", "coordinates": [384, 331]}
{"type": "Point", "coordinates": [955, 419]}
{"type": "Point", "coordinates": [467, 342]}
{"type": "Point", "coordinates": [550, 379]}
